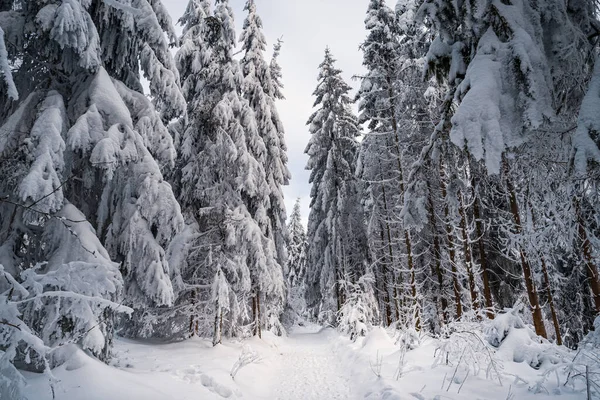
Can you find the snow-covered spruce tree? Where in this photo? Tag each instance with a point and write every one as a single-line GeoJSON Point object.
{"type": "Point", "coordinates": [276, 73]}
{"type": "Point", "coordinates": [378, 105]}
{"type": "Point", "coordinates": [222, 185]}
{"type": "Point", "coordinates": [489, 52]}
{"type": "Point", "coordinates": [296, 247]}
{"type": "Point", "coordinates": [359, 311]}
{"type": "Point", "coordinates": [81, 191]}
{"type": "Point", "coordinates": [193, 56]}
{"type": "Point", "coordinates": [296, 264]}
{"type": "Point", "coordinates": [335, 209]}
{"type": "Point", "coordinates": [261, 93]}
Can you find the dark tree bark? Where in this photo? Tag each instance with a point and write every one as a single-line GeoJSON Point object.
{"type": "Point", "coordinates": [534, 304]}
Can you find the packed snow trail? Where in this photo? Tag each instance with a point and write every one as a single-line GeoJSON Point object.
{"type": "Point", "coordinates": [310, 369]}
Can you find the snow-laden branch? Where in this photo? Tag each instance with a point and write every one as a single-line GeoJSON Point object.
{"type": "Point", "coordinates": [76, 296]}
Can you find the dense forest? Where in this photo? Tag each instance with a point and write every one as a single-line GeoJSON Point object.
{"type": "Point", "coordinates": [142, 176]}
{"type": "Point", "coordinates": [476, 170]}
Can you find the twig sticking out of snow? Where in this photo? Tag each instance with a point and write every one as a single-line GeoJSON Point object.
{"type": "Point", "coordinates": [456, 369]}
{"type": "Point", "coordinates": [464, 380]}
{"type": "Point", "coordinates": [376, 368]}
{"type": "Point", "coordinates": [248, 356]}
{"type": "Point", "coordinates": [510, 395]}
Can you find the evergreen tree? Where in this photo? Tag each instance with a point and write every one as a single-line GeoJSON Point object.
{"type": "Point", "coordinates": [260, 91]}
{"type": "Point", "coordinates": [296, 247]}
{"type": "Point", "coordinates": [81, 186]}
{"type": "Point", "coordinates": [223, 186]}
{"type": "Point", "coordinates": [333, 255]}
{"type": "Point", "coordinates": [296, 250]}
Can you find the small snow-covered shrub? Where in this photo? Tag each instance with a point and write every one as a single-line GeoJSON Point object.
{"type": "Point", "coordinates": [499, 328]}
{"type": "Point", "coordinates": [515, 341]}
{"type": "Point", "coordinates": [582, 372]}
{"type": "Point", "coordinates": [14, 333]}
{"type": "Point", "coordinates": [357, 314]}
{"type": "Point", "coordinates": [465, 348]}
{"type": "Point", "coordinates": [408, 338]}
{"type": "Point", "coordinates": [43, 313]}
{"type": "Point", "coordinates": [274, 324]}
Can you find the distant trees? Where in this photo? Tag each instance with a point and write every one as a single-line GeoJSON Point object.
{"type": "Point", "coordinates": [333, 253]}
{"type": "Point", "coordinates": [297, 247]}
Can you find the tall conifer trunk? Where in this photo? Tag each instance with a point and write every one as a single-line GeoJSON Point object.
{"type": "Point", "coordinates": [437, 260]}
{"type": "Point", "coordinates": [467, 253]}
{"type": "Point", "coordinates": [451, 248]}
{"type": "Point", "coordinates": [534, 303]}
{"type": "Point", "coordinates": [591, 268]}
{"type": "Point", "coordinates": [487, 292]}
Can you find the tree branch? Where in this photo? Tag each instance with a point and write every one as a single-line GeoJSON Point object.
{"type": "Point", "coordinates": [11, 325]}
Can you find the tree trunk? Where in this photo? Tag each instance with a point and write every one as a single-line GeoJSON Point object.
{"type": "Point", "coordinates": [193, 322]}
{"type": "Point", "coordinates": [413, 281]}
{"type": "Point", "coordinates": [386, 293]}
{"type": "Point", "coordinates": [451, 249]}
{"type": "Point", "coordinates": [467, 252]}
{"type": "Point", "coordinates": [380, 287]}
{"type": "Point", "coordinates": [536, 310]}
{"type": "Point", "coordinates": [487, 292]}
{"type": "Point", "coordinates": [338, 291]}
{"type": "Point", "coordinates": [548, 290]}
{"type": "Point", "coordinates": [390, 279]}
{"type": "Point", "coordinates": [218, 324]}
{"type": "Point", "coordinates": [551, 302]}
{"type": "Point", "coordinates": [592, 271]}
{"type": "Point", "coordinates": [258, 327]}
{"type": "Point", "coordinates": [256, 314]}
{"type": "Point", "coordinates": [437, 260]}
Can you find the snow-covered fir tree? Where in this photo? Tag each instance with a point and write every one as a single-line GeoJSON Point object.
{"type": "Point", "coordinates": [223, 186]}
{"type": "Point", "coordinates": [335, 209]}
{"type": "Point", "coordinates": [296, 247]}
{"type": "Point", "coordinates": [261, 92]}
{"type": "Point", "coordinates": [86, 215]}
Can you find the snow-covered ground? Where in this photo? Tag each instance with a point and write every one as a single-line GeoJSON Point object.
{"type": "Point", "coordinates": [311, 363]}
{"type": "Point", "coordinates": [301, 366]}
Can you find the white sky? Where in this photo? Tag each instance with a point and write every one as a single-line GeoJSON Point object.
{"type": "Point", "coordinates": [307, 27]}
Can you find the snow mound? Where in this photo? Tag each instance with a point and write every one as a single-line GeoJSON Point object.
{"type": "Point", "coordinates": [378, 340]}
{"type": "Point", "coordinates": [515, 341]}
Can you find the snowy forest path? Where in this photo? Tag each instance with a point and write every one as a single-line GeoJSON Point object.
{"type": "Point", "coordinates": [310, 369]}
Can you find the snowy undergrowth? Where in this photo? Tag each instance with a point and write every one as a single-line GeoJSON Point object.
{"type": "Point", "coordinates": [499, 359]}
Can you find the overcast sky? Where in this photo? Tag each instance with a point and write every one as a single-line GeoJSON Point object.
{"type": "Point", "coordinates": [307, 27]}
